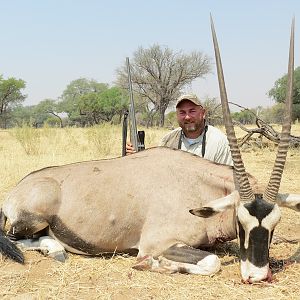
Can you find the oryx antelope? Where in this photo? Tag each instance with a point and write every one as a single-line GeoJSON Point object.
{"type": "Point", "coordinates": [144, 201]}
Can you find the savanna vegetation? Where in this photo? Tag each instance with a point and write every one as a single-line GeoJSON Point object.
{"type": "Point", "coordinates": [158, 75]}
{"type": "Point", "coordinates": [25, 149]}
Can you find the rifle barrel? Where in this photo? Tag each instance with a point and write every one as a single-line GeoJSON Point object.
{"type": "Point", "coordinates": [133, 128]}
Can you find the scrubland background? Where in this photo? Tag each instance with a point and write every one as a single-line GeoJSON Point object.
{"type": "Point", "coordinates": [25, 149]}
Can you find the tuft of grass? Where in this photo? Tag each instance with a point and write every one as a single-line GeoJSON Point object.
{"type": "Point", "coordinates": [105, 139]}
{"type": "Point", "coordinates": [29, 138]}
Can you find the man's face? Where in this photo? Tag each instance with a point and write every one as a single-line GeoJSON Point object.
{"type": "Point", "coordinates": [190, 116]}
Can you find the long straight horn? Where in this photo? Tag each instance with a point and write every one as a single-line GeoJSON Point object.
{"type": "Point", "coordinates": [245, 190]}
{"type": "Point", "coordinates": [274, 182]}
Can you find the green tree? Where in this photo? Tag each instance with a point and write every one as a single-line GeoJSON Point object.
{"type": "Point", "coordinates": [45, 109]}
{"type": "Point", "coordinates": [113, 102]}
{"type": "Point", "coordinates": [245, 116]}
{"type": "Point", "coordinates": [21, 115]}
{"type": "Point", "coordinates": [278, 92]}
{"type": "Point", "coordinates": [103, 106]}
{"type": "Point", "coordinates": [31, 116]}
{"type": "Point", "coordinates": [273, 114]}
{"type": "Point", "coordinates": [159, 74]}
{"type": "Point", "coordinates": [71, 97]}
{"type": "Point", "coordinates": [10, 97]}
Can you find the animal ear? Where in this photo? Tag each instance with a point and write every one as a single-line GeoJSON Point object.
{"type": "Point", "coordinates": [203, 212]}
{"type": "Point", "coordinates": [216, 206]}
{"type": "Point", "coordinates": [291, 201]}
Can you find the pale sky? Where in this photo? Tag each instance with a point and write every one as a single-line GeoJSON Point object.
{"type": "Point", "coordinates": [49, 43]}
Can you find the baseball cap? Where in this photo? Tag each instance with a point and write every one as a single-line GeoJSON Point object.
{"type": "Point", "coordinates": [189, 97]}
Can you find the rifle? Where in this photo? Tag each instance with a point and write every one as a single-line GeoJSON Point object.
{"type": "Point", "coordinates": [137, 138]}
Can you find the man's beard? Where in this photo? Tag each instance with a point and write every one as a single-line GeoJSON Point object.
{"type": "Point", "coordinates": [191, 127]}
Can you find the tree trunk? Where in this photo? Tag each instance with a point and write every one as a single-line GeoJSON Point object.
{"type": "Point", "coordinates": [60, 121]}
{"type": "Point", "coordinates": [57, 116]}
{"type": "Point", "coordinates": [162, 110]}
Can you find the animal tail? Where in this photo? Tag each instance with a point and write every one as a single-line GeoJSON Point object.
{"type": "Point", "coordinates": [7, 247]}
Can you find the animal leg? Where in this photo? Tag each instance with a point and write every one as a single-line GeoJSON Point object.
{"type": "Point", "coordinates": [47, 245]}
{"type": "Point", "coordinates": [183, 259]}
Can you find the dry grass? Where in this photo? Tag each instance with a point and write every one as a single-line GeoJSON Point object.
{"type": "Point", "coordinates": [97, 278]}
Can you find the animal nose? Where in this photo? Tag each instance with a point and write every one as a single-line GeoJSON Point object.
{"type": "Point", "coordinates": [257, 278]}
{"type": "Point", "coordinates": [250, 279]}
{"type": "Point", "coordinates": [251, 273]}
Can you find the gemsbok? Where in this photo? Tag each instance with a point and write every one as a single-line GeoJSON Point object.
{"type": "Point", "coordinates": [147, 202]}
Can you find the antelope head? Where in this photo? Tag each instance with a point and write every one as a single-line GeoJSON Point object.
{"type": "Point", "coordinates": [256, 214]}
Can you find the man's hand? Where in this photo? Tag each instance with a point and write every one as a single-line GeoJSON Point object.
{"type": "Point", "coordinates": [129, 148]}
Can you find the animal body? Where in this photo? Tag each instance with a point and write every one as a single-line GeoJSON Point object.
{"type": "Point", "coordinates": [138, 202]}
{"type": "Point", "coordinates": [148, 201]}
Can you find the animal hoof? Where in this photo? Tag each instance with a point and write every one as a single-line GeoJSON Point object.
{"type": "Point", "coordinates": [59, 255]}
{"type": "Point", "coordinates": [145, 263]}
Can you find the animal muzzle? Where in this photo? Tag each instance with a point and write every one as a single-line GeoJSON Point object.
{"type": "Point", "coordinates": [251, 273]}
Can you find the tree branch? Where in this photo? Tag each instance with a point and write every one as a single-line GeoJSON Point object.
{"type": "Point", "coordinates": [263, 129]}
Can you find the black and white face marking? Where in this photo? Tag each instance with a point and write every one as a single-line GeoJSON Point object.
{"type": "Point", "coordinates": [255, 224]}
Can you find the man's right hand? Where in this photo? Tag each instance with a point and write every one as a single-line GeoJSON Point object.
{"type": "Point", "coordinates": [129, 148]}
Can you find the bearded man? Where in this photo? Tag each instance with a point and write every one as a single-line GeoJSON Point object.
{"type": "Point", "coordinates": [194, 135]}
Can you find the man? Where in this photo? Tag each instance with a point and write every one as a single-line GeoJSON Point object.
{"type": "Point", "coordinates": [194, 135]}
